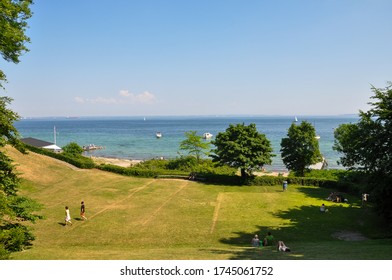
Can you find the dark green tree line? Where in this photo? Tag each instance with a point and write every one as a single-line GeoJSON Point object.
{"type": "Point", "coordinates": [15, 210]}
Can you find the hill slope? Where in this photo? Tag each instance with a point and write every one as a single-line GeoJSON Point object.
{"type": "Point", "coordinates": [134, 218]}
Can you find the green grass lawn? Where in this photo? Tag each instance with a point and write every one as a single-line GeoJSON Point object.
{"type": "Point", "coordinates": [135, 218]}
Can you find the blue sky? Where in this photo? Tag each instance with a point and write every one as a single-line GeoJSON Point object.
{"type": "Point", "coordinates": [197, 57]}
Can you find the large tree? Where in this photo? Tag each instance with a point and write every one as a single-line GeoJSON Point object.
{"type": "Point", "coordinates": [367, 146]}
{"type": "Point", "coordinates": [300, 148]}
{"type": "Point", "coordinates": [242, 147]}
{"type": "Point", "coordinates": [15, 210]}
{"type": "Point", "coordinates": [194, 145]}
{"type": "Point", "coordinates": [13, 23]}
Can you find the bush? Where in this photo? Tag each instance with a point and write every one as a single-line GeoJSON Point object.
{"type": "Point", "coordinates": [188, 163]}
{"type": "Point", "coordinates": [76, 160]}
{"type": "Point", "coordinates": [73, 149]}
{"type": "Point", "coordinates": [15, 237]}
{"type": "Point", "coordinates": [4, 254]}
{"type": "Point", "coordinates": [265, 180]}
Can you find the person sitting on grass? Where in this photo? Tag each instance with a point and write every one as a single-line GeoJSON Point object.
{"type": "Point", "coordinates": [256, 241]}
{"type": "Point", "coordinates": [282, 247]}
{"type": "Point", "coordinates": [269, 239]}
{"type": "Point", "coordinates": [323, 209]}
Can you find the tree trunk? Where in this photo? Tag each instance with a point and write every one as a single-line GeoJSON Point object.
{"type": "Point", "coordinates": [243, 173]}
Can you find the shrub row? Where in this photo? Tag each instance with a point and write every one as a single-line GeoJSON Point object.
{"type": "Point", "coordinates": [78, 161]}
{"type": "Point", "coordinates": [140, 171]}
{"type": "Point", "coordinates": [346, 186]}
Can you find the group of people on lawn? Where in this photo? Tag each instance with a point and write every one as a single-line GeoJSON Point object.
{"type": "Point", "coordinates": [269, 240]}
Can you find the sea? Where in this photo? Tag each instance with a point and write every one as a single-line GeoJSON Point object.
{"type": "Point", "coordinates": [135, 138]}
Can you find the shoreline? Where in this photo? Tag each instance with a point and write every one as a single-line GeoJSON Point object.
{"type": "Point", "coordinates": [115, 161]}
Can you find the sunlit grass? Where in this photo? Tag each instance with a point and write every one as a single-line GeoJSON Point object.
{"type": "Point", "coordinates": [134, 218]}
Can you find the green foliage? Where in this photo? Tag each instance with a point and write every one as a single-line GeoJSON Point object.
{"type": "Point", "coordinates": [13, 23]}
{"type": "Point", "coordinates": [194, 145]}
{"type": "Point", "coordinates": [188, 163]}
{"type": "Point", "coordinates": [130, 171]}
{"type": "Point", "coordinates": [8, 178]}
{"type": "Point", "coordinates": [300, 149]}
{"type": "Point", "coordinates": [4, 253]}
{"type": "Point", "coordinates": [15, 237]}
{"type": "Point", "coordinates": [76, 160]}
{"type": "Point", "coordinates": [153, 164]}
{"type": "Point", "coordinates": [72, 149]}
{"type": "Point", "coordinates": [367, 146]}
{"type": "Point", "coordinates": [243, 147]}
{"type": "Point", "coordinates": [328, 174]}
{"type": "Point", "coordinates": [14, 210]}
{"type": "Point", "coordinates": [25, 208]}
{"type": "Point", "coordinates": [8, 133]}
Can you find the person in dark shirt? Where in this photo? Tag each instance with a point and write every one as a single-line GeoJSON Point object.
{"type": "Point", "coordinates": [83, 211]}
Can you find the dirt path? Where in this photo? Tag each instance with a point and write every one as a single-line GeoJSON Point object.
{"type": "Point", "coordinates": [216, 211]}
{"type": "Point", "coordinates": [155, 213]}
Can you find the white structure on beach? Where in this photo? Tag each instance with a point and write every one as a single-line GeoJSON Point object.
{"type": "Point", "coordinates": [41, 144]}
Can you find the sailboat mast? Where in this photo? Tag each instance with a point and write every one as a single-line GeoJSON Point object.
{"type": "Point", "coordinates": [54, 134]}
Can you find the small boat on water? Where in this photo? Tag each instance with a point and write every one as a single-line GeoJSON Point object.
{"type": "Point", "coordinates": [158, 135]}
{"type": "Point", "coordinates": [207, 135]}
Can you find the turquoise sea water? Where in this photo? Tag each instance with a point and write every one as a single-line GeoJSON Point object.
{"type": "Point", "coordinates": [134, 137]}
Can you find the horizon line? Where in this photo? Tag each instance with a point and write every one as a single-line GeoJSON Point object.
{"type": "Point", "coordinates": [187, 116]}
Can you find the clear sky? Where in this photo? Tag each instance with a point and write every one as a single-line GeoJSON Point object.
{"type": "Point", "coordinates": [202, 57]}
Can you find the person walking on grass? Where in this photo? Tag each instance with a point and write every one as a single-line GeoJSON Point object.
{"type": "Point", "coordinates": [67, 216]}
{"type": "Point", "coordinates": [83, 211]}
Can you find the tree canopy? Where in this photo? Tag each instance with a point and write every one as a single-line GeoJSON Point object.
{"type": "Point", "coordinates": [15, 210]}
{"type": "Point", "coordinates": [73, 149]}
{"type": "Point", "coordinates": [300, 148]}
{"type": "Point", "coordinates": [13, 24]}
{"type": "Point", "coordinates": [367, 146]}
{"type": "Point", "coordinates": [242, 147]}
{"type": "Point", "coordinates": [194, 145]}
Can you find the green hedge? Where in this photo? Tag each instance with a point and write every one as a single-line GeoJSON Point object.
{"type": "Point", "coordinates": [140, 171]}
{"type": "Point", "coordinates": [347, 186]}
{"type": "Point", "coordinates": [78, 161]}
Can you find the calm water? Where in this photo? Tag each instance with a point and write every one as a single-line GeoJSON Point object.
{"type": "Point", "coordinates": [134, 137]}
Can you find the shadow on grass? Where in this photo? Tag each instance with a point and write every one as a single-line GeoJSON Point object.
{"type": "Point", "coordinates": [306, 230]}
{"type": "Point", "coordinates": [322, 194]}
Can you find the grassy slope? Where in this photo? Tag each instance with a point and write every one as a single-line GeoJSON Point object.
{"type": "Point", "coordinates": [134, 218]}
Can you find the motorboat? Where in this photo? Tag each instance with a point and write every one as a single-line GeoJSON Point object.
{"type": "Point", "coordinates": [158, 135]}
{"type": "Point", "coordinates": [207, 135]}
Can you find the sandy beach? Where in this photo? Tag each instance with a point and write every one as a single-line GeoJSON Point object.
{"type": "Point", "coordinates": [115, 161]}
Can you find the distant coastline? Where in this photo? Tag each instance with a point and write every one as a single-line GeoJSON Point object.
{"type": "Point", "coordinates": [348, 115]}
